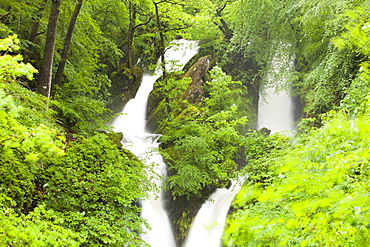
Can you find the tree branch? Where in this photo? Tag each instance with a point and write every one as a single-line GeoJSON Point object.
{"type": "Point", "coordinates": [1, 17]}
{"type": "Point", "coordinates": [178, 28]}
{"type": "Point", "coordinates": [163, 1]}
{"type": "Point", "coordinates": [143, 24]}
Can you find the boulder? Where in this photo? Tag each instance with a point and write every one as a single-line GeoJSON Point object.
{"type": "Point", "coordinates": [125, 84]}
{"type": "Point", "coordinates": [157, 107]}
{"type": "Point", "coordinates": [197, 72]}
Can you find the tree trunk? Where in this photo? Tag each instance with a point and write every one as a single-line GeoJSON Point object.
{"type": "Point", "coordinates": [35, 29]}
{"type": "Point", "coordinates": [131, 30]}
{"type": "Point", "coordinates": [67, 43]}
{"type": "Point", "coordinates": [228, 33]}
{"type": "Point", "coordinates": [36, 23]}
{"type": "Point", "coordinates": [133, 11]}
{"type": "Point", "coordinates": [44, 86]}
{"type": "Point", "coordinates": [161, 37]}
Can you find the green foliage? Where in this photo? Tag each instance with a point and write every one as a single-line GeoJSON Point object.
{"type": "Point", "coordinates": [262, 153]}
{"type": "Point", "coordinates": [223, 92]}
{"type": "Point", "coordinates": [54, 193]}
{"type": "Point", "coordinates": [252, 22]}
{"type": "Point", "coordinates": [183, 224]}
{"type": "Point", "coordinates": [353, 103]}
{"type": "Point", "coordinates": [82, 114]}
{"type": "Point", "coordinates": [210, 36]}
{"type": "Point", "coordinates": [326, 85]}
{"type": "Point", "coordinates": [18, 15]}
{"type": "Point", "coordinates": [357, 34]}
{"type": "Point", "coordinates": [357, 38]}
{"type": "Point", "coordinates": [322, 73]}
{"type": "Point", "coordinates": [94, 188]}
{"type": "Point", "coordinates": [315, 194]}
{"type": "Point", "coordinates": [319, 196]}
{"type": "Point", "coordinates": [204, 140]}
{"type": "Point", "coordinates": [204, 160]}
{"type": "Point", "coordinates": [27, 138]}
{"type": "Point", "coordinates": [11, 66]}
{"type": "Point", "coordinates": [174, 90]}
{"type": "Point", "coordinates": [39, 228]}
{"type": "Point", "coordinates": [24, 151]}
{"type": "Point", "coordinates": [91, 176]}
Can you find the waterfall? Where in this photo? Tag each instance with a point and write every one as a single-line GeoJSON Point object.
{"type": "Point", "coordinates": [143, 144]}
{"type": "Point", "coordinates": [275, 109]}
{"type": "Point", "coordinates": [275, 113]}
{"type": "Point", "coordinates": [208, 226]}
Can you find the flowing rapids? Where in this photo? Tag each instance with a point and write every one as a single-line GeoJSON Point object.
{"type": "Point", "coordinates": [275, 113]}
{"type": "Point", "coordinates": [144, 144]}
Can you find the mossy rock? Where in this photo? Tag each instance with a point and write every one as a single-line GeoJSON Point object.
{"type": "Point", "coordinates": [156, 117]}
{"type": "Point", "coordinates": [197, 72]}
{"type": "Point", "coordinates": [157, 109]}
{"type": "Point", "coordinates": [125, 84]}
{"type": "Point", "coordinates": [116, 138]}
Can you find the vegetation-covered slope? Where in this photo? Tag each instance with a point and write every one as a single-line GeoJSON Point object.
{"type": "Point", "coordinates": [56, 191]}
{"type": "Point", "coordinates": [315, 193]}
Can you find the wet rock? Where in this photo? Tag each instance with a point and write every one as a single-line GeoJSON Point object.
{"type": "Point", "coordinates": [157, 107]}
{"type": "Point", "coordinates": [264, 131]}
{"type": "Point", "coordinates": [197, 72]}
{"type": "Point", "coordinates": [125, 83]}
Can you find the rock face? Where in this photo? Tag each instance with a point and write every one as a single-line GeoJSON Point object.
{"type": "Point", "coordinates": [125, 83]}
{"type": "Point", "coordinates": [157, 110]}
{"type": "Point", "coordinates": [195, 91]}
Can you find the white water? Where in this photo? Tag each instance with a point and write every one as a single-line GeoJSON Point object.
{"type": "Point", "coordinates": [208, 226]}
{"type": "Point", "coordinates": [207, 229]}
{"type": "Point", "coordinates": [275, 109]}
{"type": "Point", "coordinates": [143, 145]}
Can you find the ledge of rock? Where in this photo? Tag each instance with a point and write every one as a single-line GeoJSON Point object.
{"type": "Point", "coordinates": [195, 90]}
{"type": "Point", "coordinates": [157, 110]}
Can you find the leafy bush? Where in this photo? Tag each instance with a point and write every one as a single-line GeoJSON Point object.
{"type": "Point", "coordinates": [11, 66]}
{"type": "Point", "coordinates": [37, 229]}
{"type": "Point", "coordinates": [80, 108]}
{"type": "Point", "coordinates": [356, 38]}
{"type": "Point", "coordinates": [319, 197]}
{"type": "Point", "coordinates": [28, 135]}
{"type": "Point", "coordinates": [204, 139]}
{"type": "Point", "coordinates": [59, 193]}
{"type": "Point", "coordinates": [94, 189]}
{"type": "Point", "coordinates": [262, 153]}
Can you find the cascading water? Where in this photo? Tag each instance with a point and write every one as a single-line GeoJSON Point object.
{"type": "Point", "coordinates": [275, 112]}
{"type": "Point", "coordinates": [208, 226]}
{"type": "Point", "coordinates": [143, 144]}
{"type": "Point", "coordinates": [275, 109]}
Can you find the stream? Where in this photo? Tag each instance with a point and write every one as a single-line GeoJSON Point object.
{"type": "Point", "coordinates": [275, 113]}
